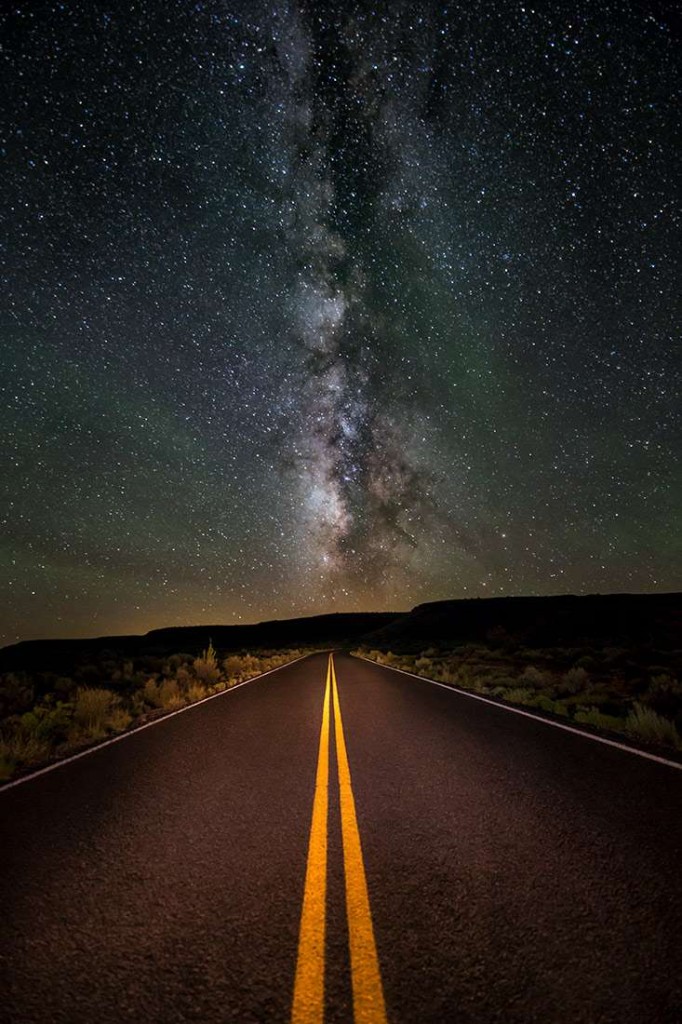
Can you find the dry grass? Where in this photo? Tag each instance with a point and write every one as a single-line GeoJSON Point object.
{"type": "Point", "coordinates": [119, 720]}
{"type": "Point", "coordinates": [37, 724]}
{"type": "Point", "coordinates": [604, 697]}
{"type": "Point", "coordinates": [18, 748]}
{"type": "Point", "coordinates": [206, 667]}
{"type": "Point", "coordinates": [593, 716]}
{"type": "Point", "coordinates": [646, 724]}
{"type": "Point", "coordinates": [195, 692]}
{"type": "Point", "coordinates": [92, 710]}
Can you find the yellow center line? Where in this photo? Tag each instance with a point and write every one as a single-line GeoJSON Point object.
{"type": "Point", "coordinates": [368, 996]}
{"type": "Point", "coordinates": [308, 1002]}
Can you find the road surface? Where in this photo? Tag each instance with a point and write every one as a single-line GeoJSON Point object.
{"type": "Point", "coordinates": [344, 846]}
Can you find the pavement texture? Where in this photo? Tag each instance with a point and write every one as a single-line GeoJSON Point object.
{"type": "Point", "coordinates": [515, 872]}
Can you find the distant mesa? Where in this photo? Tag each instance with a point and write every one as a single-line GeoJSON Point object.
{"type": "Point", "coordinates": [567, 620]}
{"type": "Point", "coordinates": [315, 630]}
{"type": "Point", "coordinates": [562, 621]}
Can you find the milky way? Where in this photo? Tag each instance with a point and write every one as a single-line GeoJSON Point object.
{"type": "Point", "coordinates": [314, 307]}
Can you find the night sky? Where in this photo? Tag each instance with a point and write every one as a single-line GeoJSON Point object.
{"type": "Point", "coordinates": [334, 306]}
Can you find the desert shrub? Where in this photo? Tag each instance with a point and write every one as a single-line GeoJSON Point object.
{"type": "Point", "coordinates": [31, 731]}
{"type": "Point", "coordinates": [646, 724]}
{"type": "Point", "coordinates": [169, 694]}
{"type": "Point", "coordinates": [424, 666]}
{"type": "Point", "coordinates": [47, 724]}
{"type": "Point", "coordinates": [532, 654]}
{"type": "Point", "coordinates": [593, 716]}
{"type": "Point", "coordinates": [7, 762]}
{"type": "Point", "coordinates": [119, 719]}
{"type": "Point", "coordinates": [205, 672]}
{"type": "Point", "coordinates": [555, 707]}
{"type": "Point", "coordinates": [251, 665]}
{"type": "Point", "coordinates": [243, 666]}
{"type": "Point", "coordinates": [16, 693]}
{"type": "Point", "coordinates": [479, 684]}
{"type": "Point", "coordinates": [19, 748]}
{"type": "Point", "coordinates": [518, 695]}
{"type": "Point", "coordinates": [64, 686]}
{"type": "Point", "coordinates": [591, 696]}
{"type": "Point", "coordinates": [166, 694]}
{"type": "Point", "coordinates": [184, 677]}
{"type": "Point", "coordinates": [275, 660]}
{"type": "Point", "coordinates": [664, 695]}
{"type": "Point", "coordinates": [138, 703]}
{"type": "Point", "coordinates": [195, 691]}
{"type": "Point", "coordinates": [466, 676]}
{"type": "Point", "coordinates": [501, 681]}
{"type": "Point", "coordinates": [177, 661]}
{"type": "Point", "coordinates": [575, 680]}
{"type": "Point", "coordinates": [233, 667]}
{"type": "Point", "coordinates": [92, 708]}
{"type": "Point", "coordinates": [206, 666]}
{"type": "Point", "coordinates": [151, 695]}
{"type": "Point", "coordinates": [472, 651]}
{"type": "Point", "coordinates": [534, 677]}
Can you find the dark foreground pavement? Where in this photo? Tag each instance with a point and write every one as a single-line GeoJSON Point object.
{"type": "Point", "coordinates": [516, 872]}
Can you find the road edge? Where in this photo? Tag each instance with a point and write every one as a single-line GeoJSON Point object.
{"type": "Point", "coordinates": [637, 751]}
{"type": "Point", "coordinates": [11, 783]}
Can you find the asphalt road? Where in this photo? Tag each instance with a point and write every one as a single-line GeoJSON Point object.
{"type": "Point", "coordinates": [514, 872]}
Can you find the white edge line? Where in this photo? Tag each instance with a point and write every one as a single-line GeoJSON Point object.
{"type": "Point", "coordinates": [141, 728]}
{"type": "Point", "coordinates": [529, 714]}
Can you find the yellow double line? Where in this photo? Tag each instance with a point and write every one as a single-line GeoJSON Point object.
{"type": "Point", "coordinates": [368, 996]}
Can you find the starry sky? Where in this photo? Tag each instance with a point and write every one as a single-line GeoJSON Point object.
{"type": "Point", "coordinates": [313, 307]}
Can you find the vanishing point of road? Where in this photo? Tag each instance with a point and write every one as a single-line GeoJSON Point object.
{"type": "Point", "coordinates": [339, 842]}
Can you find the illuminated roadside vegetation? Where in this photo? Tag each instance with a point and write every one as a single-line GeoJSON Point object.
{"type": "Point", "coordinates": [636, 693]}
{"type": "Point", "coordinates": [44, 715]}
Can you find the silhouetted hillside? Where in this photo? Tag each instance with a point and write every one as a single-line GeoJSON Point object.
{"type": "Point", "coordinates": [601, 620]}
{"type": "Point", "coordinates": [566, 621]}
{"type": "Point", "coordinates": [611, 664]}
{"type": "Point", "coordinates": [606, 662]}
{"type": "Point", "coordinates": [60, 655]}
